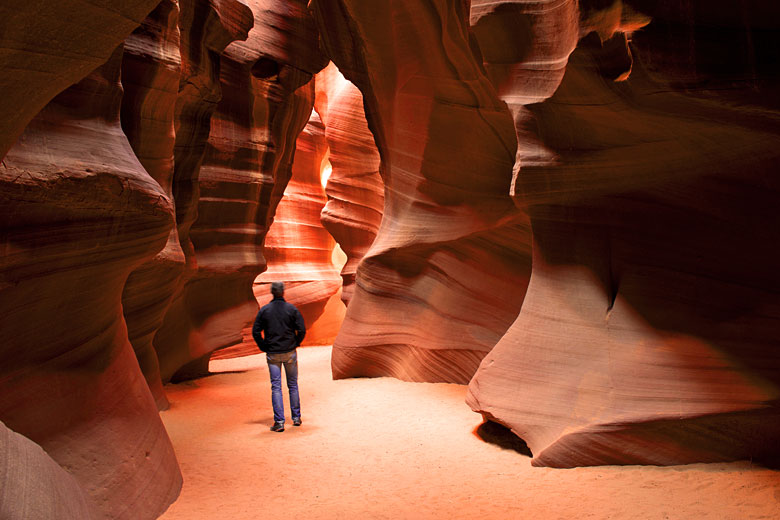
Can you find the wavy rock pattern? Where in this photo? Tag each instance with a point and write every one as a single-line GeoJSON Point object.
{"type": "Point", "coordinates": [49, 46]}
{"type": "Point", "coordinates": [446, 274]}
{"type": "Point", "coordinates": [355, 189]}
{"type": "Point", "coordinates": [245, 168]}
{"type": "Point", "coordinates": [34, 486]}
{"type": "Point", "coordinates": [648, 333]}
{"type": "Point", "coordinates": [298, 249]}
{"type": "Point", "coordinates": [151, 68]}
{"type": "Point", "coordinates": [206, 28]}
{"type": "Point", "coordinates": [79, 213]}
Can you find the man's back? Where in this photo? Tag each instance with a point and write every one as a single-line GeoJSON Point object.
{"type": "Point", "coordinates": [281, 325]}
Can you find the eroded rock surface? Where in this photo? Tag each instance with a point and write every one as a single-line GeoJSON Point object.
{"type": "Point", "coordinates": [648, 333]}
{"type": "Point", "coordinates": [48, 46]}
{"type": "Point", "coordinates": [446, 274]}
{"type": "Point", "coordinates": [34, 486]}
{"type": "Point", "coordinates": [79, 213]}
{"type": "Point", "coordinates": [355, 188]}
{"type": "Point", "coordinates": [298, 249]}
{"type": "Point", "coordinates": [245, 169]}
{"type": "Point", "coordinates": [151, 68]}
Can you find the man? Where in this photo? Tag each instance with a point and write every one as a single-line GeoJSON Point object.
{"type": "Point", "coordinates": [278, 331]}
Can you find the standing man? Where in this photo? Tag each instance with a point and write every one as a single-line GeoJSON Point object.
{"type": "Point", "coordinates": [278, 331]}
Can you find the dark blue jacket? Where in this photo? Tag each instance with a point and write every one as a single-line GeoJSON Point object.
{"type": "Point", "coordinates": [278, 327]}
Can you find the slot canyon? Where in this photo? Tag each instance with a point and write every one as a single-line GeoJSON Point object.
{"type": "Point", "coordinates": [532, 242]}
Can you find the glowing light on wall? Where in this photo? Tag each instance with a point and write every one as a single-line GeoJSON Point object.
{"type": "Point", "coordinates": [327, 169]}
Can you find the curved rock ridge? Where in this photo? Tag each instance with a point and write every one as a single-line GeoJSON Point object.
{"type": "Point", "coordinates": [648, 333]}
{"type": "Point", "coordinates": [446, 274]}
{"type": "Point", "coordinates": [79, 213]}
{"type": "Point", "coordinates": [151, 68]}
{"type": "Point", "coordinates": [34, 486]}
{"type": "Point", "coordinates": [206, 28]}
{"type": "Point", "coordinates": [355, 189]}
{"type": "Point", "coordinates": [298, 249]}
{"type": "Point", "coordinates": [245, 169]}
{"type": "Point", "coordinates": [49, 46]}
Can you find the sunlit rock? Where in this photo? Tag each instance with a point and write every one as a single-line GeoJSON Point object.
{"type": "Point", "coordinates": [355, 188]}
{"type": "Point", "coordinates": [299, 251]}
{"type": "Point", "coordinates": [446, 274]}
{"type": "Point", "coordinates": [265, 103]}
{"type": "Point", "coordinates": [151, 68]}
{"type": "Point", "coordinates": [648, 333]}
{"type": "Point", "coordinates": [78, 214]}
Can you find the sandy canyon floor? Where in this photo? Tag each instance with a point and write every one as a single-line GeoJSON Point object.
{"type": "Point", "coordinates": [382, 448]}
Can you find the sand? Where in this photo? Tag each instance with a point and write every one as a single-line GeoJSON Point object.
{"type": "Point", "coordinates": [383, 448]}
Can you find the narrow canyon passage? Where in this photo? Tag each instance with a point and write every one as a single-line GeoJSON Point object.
{"type": "Point", "coordinates": [383, 448]}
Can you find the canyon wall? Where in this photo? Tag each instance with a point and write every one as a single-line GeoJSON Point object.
{"type": "Point", "coordinates": [648, 333]}
{"type": "Point", "coordinates": [35, 486]}
{"type": "Point", "coordinates": [637, 141]}
{"type": "Point", "coordinates": [50, 46]}
{"type": "Point", "coordinates": [298, 249]}
{"type": "Point", "coordinates": [151, 68]}
{"type": "Point", "coordinates": [265, 103]}
{"type": "Point", "coordinates": [355, 189]}
{"type": "Point", "coordinates": [110, 227]}
{"type": "Point", "coordinates": [446, 274]}
{"type": "Point", "coordinates": [79, 213]}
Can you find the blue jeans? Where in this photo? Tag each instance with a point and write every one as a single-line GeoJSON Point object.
{"type": "Point", "coordinates": [290, 362]}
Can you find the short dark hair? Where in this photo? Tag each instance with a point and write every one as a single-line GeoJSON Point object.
{"type": "Point", "coordinates": [277, 288]}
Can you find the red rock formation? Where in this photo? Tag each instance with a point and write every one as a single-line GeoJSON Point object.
{"type": "Point", "coordinates": [245, 169]}
{"type": "Point", "coordinates": [79, 213]}
{"type": "Point", "coordinates": [447, 272]}
{"type": "Point", "coordinates": [355, 189]}
{"type": "Point", "coordinates": [206, 28]}
{"type": "Point", "coordinates": [34, 486]}
{"type": "Point", "coordinates": [648, 333]}
{"type": "Point", "coordinates": [298, 250]}
{"type": "Point", "coordinates": [151, 68]}
{"type": "Point", "coordinates": [52, 45]}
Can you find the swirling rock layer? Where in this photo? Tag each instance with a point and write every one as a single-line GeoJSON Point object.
{"type": "Point", "coordinates": [151, 68]}
{"type": "Point", "coordinates": [447, 271]}
{"type": "Point", "coordinates": [48, 46]}
{"type": "Point", "coordinates": [34, 486]}
{"type": "Point", "coordinates": [245, 168]}
{"type": "Point", "coordinates": [648, 333]}
{"type": "Point", "coordinates": [298, 249]}
{"type": "Point", "coordinates": [79, 213]}
{"type": "Point", "coordinates": [206, 28]}
{"type": "Point", "coordinates": [355, 188]}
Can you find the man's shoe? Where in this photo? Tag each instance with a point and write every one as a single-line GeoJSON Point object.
{"type": "Point", "coordinates": [277, 427]}
{"type": "Point", "coordinates": [297, 421]}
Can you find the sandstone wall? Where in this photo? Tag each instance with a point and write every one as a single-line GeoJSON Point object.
{"type": "Point", "coordinates": [355, 189]}
{"type": "Point", "coordinates": [34, 486]}
{"type": "Point", "coordinates": [246, 165]}
{"type": "Point", "coordinates": [448, 269]}
{"type": "Point", "coordinates": [647, 334]}
{"type": "Point", "coordinates": [298, 249]}
{"type": "Point", "coordinates": [79, 213]}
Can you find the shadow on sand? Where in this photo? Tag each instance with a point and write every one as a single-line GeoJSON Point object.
{"type": "Point", "coordinates": [502, 437]}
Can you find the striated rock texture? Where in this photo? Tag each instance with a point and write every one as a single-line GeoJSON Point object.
{"type": "Point", "coordinates": [298, 250]}
{"type": "Point", "coordinates": [447, 272]}
{"type": "Point", "coordinates": [79, 213]}
{"type": "Point", "coordinates": [649, 330]}
{"type": "Point", "coordinates": [47, 46]}
{"type": "Point", "coordinates": [151, 68]}
{"type": "Point", "coordinates": [206, 28]}
{"type": "Point", "coordinates": [34, 486]}
{"type": "Point", "coordinates": [245, 168]}
{"type": "Point", "coordinates": [355, 188]}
